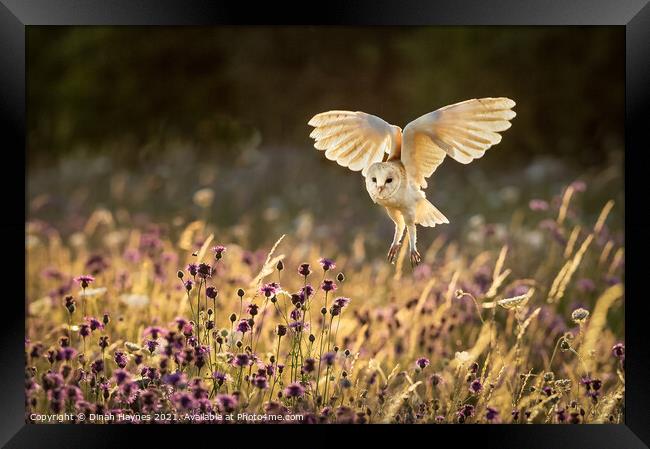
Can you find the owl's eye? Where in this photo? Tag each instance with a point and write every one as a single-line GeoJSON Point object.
{"type": "Point", "coordinates": [374, 179]}
{"type": "Point", "coordinates": [389, 180]}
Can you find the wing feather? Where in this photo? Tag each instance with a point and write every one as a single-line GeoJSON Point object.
{"type": "Point", "coordinates": [354, 139]}
{"type": "Point", "coordinates": [463, 131]}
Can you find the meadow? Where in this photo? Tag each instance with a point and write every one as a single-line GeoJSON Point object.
{"type": "Point", "coordinates": [514, 319]}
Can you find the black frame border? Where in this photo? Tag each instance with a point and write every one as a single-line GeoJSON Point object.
{"type": "Point", "coordinates": [634, 15]}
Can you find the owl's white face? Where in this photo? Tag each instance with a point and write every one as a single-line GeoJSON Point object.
{"type": "Point", "coordinates": [382, 180]}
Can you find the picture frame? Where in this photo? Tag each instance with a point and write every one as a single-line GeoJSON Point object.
{"type": "Point", "coordinates": [634, 15]}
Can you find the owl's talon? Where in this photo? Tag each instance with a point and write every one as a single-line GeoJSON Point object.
{"type": "Point", "coordinates": [415, 258]}
{"type": "Point", "coordinates": [392, 252]}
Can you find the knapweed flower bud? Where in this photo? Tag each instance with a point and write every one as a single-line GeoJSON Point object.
{"type": "Point", "coordinates": [280, 266]}
{"type": "Point", "coordinates": [106, 319]}
{"type": "Point", "coordinates": [211, 292]}
{"type": "Point", "coordinates": [323, 311]}
{"type": "Point", "coordinates": [580, 315]}
{"type": "Point", "coordinates": [180, 274]}
{"type": "Point", "coordinates": [304, 270]}
{"type": "Point", "coordinates": [233, 318]}
{"type": "Point", "coordinates": [70, 304]}
{"type": "Point", "coordinates": [281, 330]}
{"type": "Point", "coordinates": [340, 277]}
{"type": "Point", "coordinates": [240, 293]}
{"type": "Point", "coordinates": [189, 284]}
{"type": "Point", "coordinates": [312, 338]}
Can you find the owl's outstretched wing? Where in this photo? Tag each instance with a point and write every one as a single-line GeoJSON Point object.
{"type": "Point", "coordinates": [464, 131]}
{"type": "Point", "coordinates": [354, 139]}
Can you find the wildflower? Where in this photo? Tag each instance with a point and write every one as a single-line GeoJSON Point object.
{"type": "Point", "coordinates": [97, 366]}
{"type": "Point", "coordinates": [243, 326]}
{"type": "Point", "coordinates": [466, 411]}
{"type": "Point", "coordinates": [579, 316]}
{"type": "Point", "coordinates": [106, 319]}
{"type": "Point", "coordinates": [560, 414]}
{"type": "Point", "coordinates": [189, 284]}
{"type": "Point", "coordinates": [152, 345]}
{"type": "Point", "coordinates": [462, 357]}
{"type": "Point", "coordinates": [328, 285]}
{"type": "Point", "coordinates": [226, 402]}
{"type": "Point", "coordinates": [436, 379]}
{"type": "Point", "coordinates": [294, 390]}
{"type": "Point", "coordinates": [252, 309]}
{"type": "Point", "coordinates": [219, 377]}
{"type": "Point", "coordinates": [70, 304]}
{"type": "Point", "coordinates": [341, 302]}
{"type": "Point", "coordinates": [270, 289]}
{"type": "Point", "coordinates": [241, 360]}
{"type": "Point", "coordinates": [538, 205]}
{"type": "Point", "coordinates": [121, 376]}
{"type": "Point", "coordinates": [94, 323]}
{"type": "Point", "coordinates": [67, 353]}
{"type": "Point", "coordinates": [260, 382]}
{"type": "Point", "coordinates": [475, 386]}
{"type": "Point", "coordinates": [327, 264]}
{"type": "Point", "coordinates": [618, 351]}
{"type": "Point", "coordinates": [84, 330]}
{"type": "Point", "coordinates": [304, 269]}
{"type": "Point", "coordinates": [218, 251]}
{"type": "Point", "coordinates": [120, 358]}
{"type": "Point", "coordinates": [422, 362]}
{"type": "Point", "coordinates": [211, 292]}
{"type": "Point", "coordinates": [492, 414]}
{"type": "Point", "coordinates": [295, 314]}
{"type": "Point", "coordinates": [192, 269]}
{"type": "Point", "coordinates": [103, 341]}
{"type": "Point", "coordinates": [84, 280]}
{"type": "Point", "coordinates": [309, 365]}
{"type": "Point", "coordinates": [340, 277]}
{"type": "Point", "coordinates": [280, 266]}
{"type": "Point", "coordinates": [281, 330]}
{"type": "Point", "coordinates": [329, 358]}
{"type": "Point", "coordinates": [298, 326]}
{"type": "Point", "coordinates": [205, 271]}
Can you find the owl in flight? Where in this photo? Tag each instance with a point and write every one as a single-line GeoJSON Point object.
{"type": "Point", "coordinates": [396, 163]}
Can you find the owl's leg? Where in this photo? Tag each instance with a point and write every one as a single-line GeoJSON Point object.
{"type": "Point", "coordinates": [398, 219]}
{"type": "Point", "coordinates": [410, 227]}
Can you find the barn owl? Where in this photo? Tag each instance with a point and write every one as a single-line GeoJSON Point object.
{"type": "Point", "coordinates": [396, 163]}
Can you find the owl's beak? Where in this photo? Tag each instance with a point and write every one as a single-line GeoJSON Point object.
{"type": "Point", "coordinates": [381, 188]}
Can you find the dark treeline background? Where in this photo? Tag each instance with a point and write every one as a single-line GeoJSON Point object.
{"type": "Point", "coordinates": [112, 90]}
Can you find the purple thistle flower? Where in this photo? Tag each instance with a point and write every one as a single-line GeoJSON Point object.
{"type": "Point", "coordinates": [218, 251]}
{"type": "Point", "coordinates": [154, 331]}
{"type": "Point", "coordinates": [97, 366]}
{"type": "Point", "coordinates": [84, 280]}
{"type": "Point", "coordinates": [309, 365]}
{"type": "Point", "coordinates": [84, 330]}
{"type": "Point", "coordinates": [295, 314]}
{"type": "Point", "coordinates": [121, 359]}
{"type": "Point", "coordinates": [341, 302]}
{"type": "Point", "coordinates": [192, 269]}
{"type": "Point", "coordinates": [422, 362]}
{"type": "Point", "coordinates": [492, 414]}
{"type": "Point", "coordinates": [220, 377]}
{"type": "Point", "coordinates": [211, 292]}
{"type": "Point", "coordinates": [294, 390]}
{"type": "Point", "coordinates": [152, 345]}
{"type": "Point", "coordinates": [94, 323]}
{"type": "Point", "coordinates": [103, 341]}
{"type": "Point", "coordinates": [175, 379]}
{"type": "Point", "coordinates": [298, 326]}
{"type": "Point", "coordinates": [327, 264]}
{"type": "Point", "coordinates": [475, 387]}
{"type": "Point", "coordinates": [270, 289]}
{"type": "Point", "coordinates": [243, 326]}
{"type": "Point", "coordinates": [260, 382]}
{"type": "Point", "coordinates": [328, 285]}
{"type": "Point", "coordinates": [304, 269]}
{"type": "Point", "coordinates": [121, 376]}
{"type": "Point", "coordinates": [226, 402]}
{"type": "Point", "coordinates": [329, 358]}
{"type": "Point", "coordinates": [241, 360]}
{"type": "Point", "coordinates": [205, 271]}
{"type": "Point", "coordinates": [188, 284]}
{"type": "Point", "coordinates": [252, 309]}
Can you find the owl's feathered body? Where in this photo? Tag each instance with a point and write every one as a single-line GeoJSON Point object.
{"type": "Point", "coordinates": [360, 141]}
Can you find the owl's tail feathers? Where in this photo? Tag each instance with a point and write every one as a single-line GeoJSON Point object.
{"type": "Point", "coordinates": [426, 214]}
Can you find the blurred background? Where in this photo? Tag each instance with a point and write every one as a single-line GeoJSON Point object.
{"type": "Point", "coordinates": [173, 124]}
